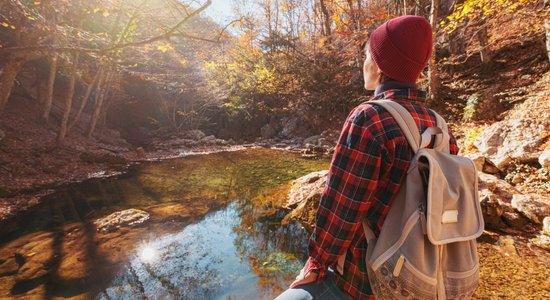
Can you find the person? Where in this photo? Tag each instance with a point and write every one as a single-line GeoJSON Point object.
{"type": "Point", "coordinates": [369, 164]}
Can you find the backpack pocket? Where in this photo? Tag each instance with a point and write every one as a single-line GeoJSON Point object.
{"type": "Point", "coordinates": [461, 281]}
{"type": "Point", "coordinates": [397, 278]}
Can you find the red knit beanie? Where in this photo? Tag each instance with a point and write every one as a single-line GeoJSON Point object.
{"type": "Point", "coordinates": [402, 46]}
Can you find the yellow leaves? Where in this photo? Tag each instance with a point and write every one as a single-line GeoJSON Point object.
{"type": "Point", "coordinates": [31, 254]}
{"type": "Point", "coordinates": [164, 48]}
{"type": "Point", "coordinates": [36, 2]}
{"type": "Point", "coordinates": [105, 13]}
{"type": "Point", "coordinates": [5, 24]}
{"type": "Point", "coordinates": [96, 10]}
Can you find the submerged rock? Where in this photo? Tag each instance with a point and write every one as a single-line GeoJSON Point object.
{"type": "Point", "coordinates": [126, 218]}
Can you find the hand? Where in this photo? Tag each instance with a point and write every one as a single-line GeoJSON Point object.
{"type": "Point", "coordinates": [304, 278]}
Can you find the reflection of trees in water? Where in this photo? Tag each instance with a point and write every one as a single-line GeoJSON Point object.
{"type": "Point", "coordinates": [271, 251]}
{"type": "Point", "coordinates": [274, 252]}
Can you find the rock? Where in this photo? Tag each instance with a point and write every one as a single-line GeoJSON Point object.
{"type": "Point", "coordinates": [515, 138]}
{"type": "Point", "coordinates": [546, 225]}
{"type": "Point", "coordinates": [534, 207]}
{"type": "Point", "coordinates": [289, 126]}
{"type": "Point", "coordinates": [502, 189]}
{"type": "Point", "coordinates": [515, 220]}
{"type": "Point", "coordinates": [491, 209]}
{"type": "Point", "coordinates": [483, 164]}
{"type": "Point", "coordinates": [304, 197]}
{"type": "Point", "coordinates": [268, 131]}
{"type": "Point", "coordinates": [542, 241]}
{"type": "Point", "coordinates": [207, 138]}
{"type": "Point", "coordinates": [324, 142]}
{"type": "Point", "coordinates": [495, 196]}
{"type": "Point", "coordinates": [517, 179]}
{"type": "Point", "coordinates": [312, 140]}
{"type": "Point", "coordinates": [506, 244]}
{"type": "Point", "coordinates": [126, 218]}
{"type": "Point", "coordinates": [140, 153]}
{"type": "Point", "coordinates": [194, 134]}
{"type": "Point", "coordinates": [544, 159]}
{"type": "Point", "coordinates": [303, 186]}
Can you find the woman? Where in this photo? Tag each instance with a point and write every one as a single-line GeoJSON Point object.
{"type": "Point", "coordinates": [369, 164]}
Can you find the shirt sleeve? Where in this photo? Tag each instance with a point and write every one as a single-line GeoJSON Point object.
{"type": "Point", "coordinates": [453, 147]}
{"type": "Point", "coordinates": [352, 180]}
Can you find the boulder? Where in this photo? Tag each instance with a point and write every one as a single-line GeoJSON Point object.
{"type": "Point", "coordinates": [126, 218]}
{"type": "Point", "coordinates": [544, 159]}
{"type": "Point", "coordinates": [495, 196]}
{"type": "Point", "coordinates": [312, 140]}
{"type": "Point", "coordinates": [303, 186]}
{"type": "Point", "coordinates": [194, 134]}
{"type": "Point", "coordinates": [534, 207]}
{"type": "Point", "coordinates": [304, 197]}
{"type": "Point", "coordinates": [517, 139]}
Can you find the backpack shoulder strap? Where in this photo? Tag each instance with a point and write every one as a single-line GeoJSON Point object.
{"type": "Point", "coordinates": [441, 140]}
{"type": "Point", "coordinates": [404, 119]}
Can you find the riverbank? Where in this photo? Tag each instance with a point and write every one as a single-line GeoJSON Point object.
{"type": "Point", "coordinates": [33, 166]}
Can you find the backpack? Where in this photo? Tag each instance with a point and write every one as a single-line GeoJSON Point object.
{"type": "Point", "coordinates": [427, 245]}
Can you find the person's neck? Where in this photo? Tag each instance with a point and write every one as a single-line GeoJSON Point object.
{"type": "Point", "coordinates": [393, 84]}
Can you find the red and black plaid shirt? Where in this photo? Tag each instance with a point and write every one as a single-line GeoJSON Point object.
{"type": "Point", "coordinates": [367, 169]}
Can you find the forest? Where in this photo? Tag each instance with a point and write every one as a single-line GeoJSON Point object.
{"type": "Point", "coordinates": [128, 126]}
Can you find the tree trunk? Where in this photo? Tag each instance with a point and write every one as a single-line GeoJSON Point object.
{"type": "Point", "coordinates": [433, 74]}
{"type": "Point", "coordinates": [7, 77]}
{"type": "Point", "coordinates": [53, 67]}
{"type": "Point", "coordinates": [49, 90]}
{"type": "Point", "coordinates": [327, 17]}
{"type": "Point", "coordinates": [484, 51]}
{"type": "Point", "coordinates": [68, 102]}
{"type": "Point", "coordinates": [95, 81]}
{"type": "Point", "coordinates": [97, 109]}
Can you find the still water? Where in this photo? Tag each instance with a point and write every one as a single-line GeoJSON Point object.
{"type": "Point", "coordinates": [214, 233]}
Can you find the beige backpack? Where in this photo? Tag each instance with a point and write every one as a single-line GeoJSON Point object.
{"type": "Point", "coordinates": [427, 245]}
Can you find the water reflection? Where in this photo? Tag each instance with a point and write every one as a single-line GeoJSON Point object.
{"type": "Point", "coordinates": [213, 259]}
{"type": "Point", "coordinates": [240, 252]}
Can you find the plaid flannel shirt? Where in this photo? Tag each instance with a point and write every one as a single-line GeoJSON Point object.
{"type": "Point", "coordinates": [367, 169]}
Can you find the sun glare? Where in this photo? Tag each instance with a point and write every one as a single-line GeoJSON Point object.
{"type": "Point", "coordinates": [148, 254]}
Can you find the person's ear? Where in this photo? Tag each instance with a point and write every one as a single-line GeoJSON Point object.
{"type": "Point", "coordinates": [378, 75]}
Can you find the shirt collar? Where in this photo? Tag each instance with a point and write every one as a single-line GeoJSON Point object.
{"type": "Point", "coordinates": [399, 90]}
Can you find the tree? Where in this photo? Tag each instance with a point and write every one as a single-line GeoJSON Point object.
{"type": "Point", "coordinates": [433, 73]}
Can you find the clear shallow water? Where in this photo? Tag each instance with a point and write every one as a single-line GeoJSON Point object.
{"type": "Point", "coordinates": [213, 233]}
{"type": "Point", "coordinates": [208, 260]}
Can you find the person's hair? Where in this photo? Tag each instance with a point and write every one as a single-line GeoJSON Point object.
{"type": "Point", "coordinates": [383, 77]}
